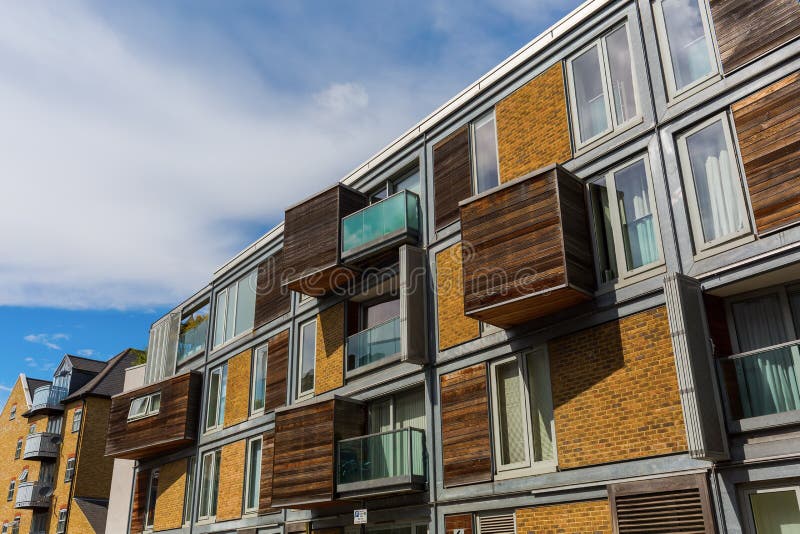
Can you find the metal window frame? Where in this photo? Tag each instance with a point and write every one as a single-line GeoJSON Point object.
{"type": "Point", "coordinates": [301, 395]}
{"type": "Point", "coordinates": [744, 497]}
{"type": "Point", "coordinates": [259, 349]}
{"type": "Point", "coordinates": [69, 470]}
{"type": "Point", "coordinates": [219, 416]}
{"type": "Point", "coordinates": [214, 475]}
{"type": "Point", "coordinates": [149, 515]}
{"type": "Point", "coordinates": [77, 419]}
{"type": "Point", "coordinates": [473, 149]}
{"type": "Point", "coordinates": [188, 490]}
{"type": "Point", "coordinates": [248, 473]}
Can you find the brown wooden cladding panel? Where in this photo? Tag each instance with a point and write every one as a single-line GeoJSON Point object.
{"type": "Point", "coordinates": [452, 176]}
{"type": "Point", "coordinates": [267, 458]}
{"type": "Point", "coordinates": [747, 29]}
{"type": "Point", "coordinates": [311, 240]}
{"type": "Point", "coordinates": [277, 370]}
{"type": "Point", "coordinates": [459, 521]}
{"type": "Point", "coordinates": [466, 438]}
{"type": "Point", "coordinates": [768, 128]}
{"type": "Point", "coordinates": [525, 240]}
{"type": "Point", "coordinates": [174, 426]}
{"type": "Point", "coordinates": [305, 442]}
{"type": "Point", "coordinates": [272, 297]}
{"type": "Point", "coordinates": [139, 501]}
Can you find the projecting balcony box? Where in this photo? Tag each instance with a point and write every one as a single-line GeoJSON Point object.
{"type": "Point", "coordinates": [155, 419]}
{"type": "Point", "coordinates": [41, 446]}
{"type": "Point", "coordinates": [32, 495]}
{"type": "Point", "coordinates": [47, 400]}
{"type": "Point", "coordinates": [527, 251]}
{"type": "Point", "coordinates": [311, 241]}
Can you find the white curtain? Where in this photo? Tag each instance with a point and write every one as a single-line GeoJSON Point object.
{"type": "Point", "coordinates": [511, 414]}
{"type": "Point", "coordinates": [723, 200]}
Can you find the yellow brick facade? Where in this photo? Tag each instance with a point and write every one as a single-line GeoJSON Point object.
{"type": "Point", "coordinates": [69, 449]}
{"type": "Point", "coordinates": [77, 522]}
{"type": "Point", "coordinates": [587, 517]}
{"type": "Point", "coordinates": [237, 396]}
{"type": "Point", "coordinates": [93, 469]}
{"type": "Point", "coordinates": [329, 370]}
{"type": "Point", "coordinates": [170, 498]}
{"type": "Point", "coordinates": [532, 126]}
{"type": "Point", "coordinates": [454, 327]}
{"type": "Point", "coordinates": [615, 392]}
{"type": "Point", "coordinates": [231, 481]}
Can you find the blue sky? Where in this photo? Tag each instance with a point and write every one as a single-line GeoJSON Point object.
{"type": "Point", "coordinates": [145, 142]}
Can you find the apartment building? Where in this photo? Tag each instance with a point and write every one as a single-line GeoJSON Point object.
{"type": "Point", "coordinates": [54, 435]}
{"type": "Point", "coordinates": [566, 301]}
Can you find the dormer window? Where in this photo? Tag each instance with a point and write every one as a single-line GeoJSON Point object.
{"type": "Point", "coordinates": [146, 406]}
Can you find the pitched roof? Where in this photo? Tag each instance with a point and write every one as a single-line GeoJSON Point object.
{"type": "Point", "coordinates": [111, 378]}
{"type": "Point", "coordinates": [96, 511]}
{"type": "Point", "coordinates": [86, 364]}
{"type": "Point", "coordinates": [34, 383]}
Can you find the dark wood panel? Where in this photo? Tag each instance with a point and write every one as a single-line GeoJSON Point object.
{"type": "Point", "coordinates": [277, 370]}
{"type": "Point", "coordinates": [747, 29]}
{"type": "Point", "coordinates": [267, 458]}
{"type": "Point", "coordinates": [459, 521]}
{"type": "Point", "coordinates": [272, 297]}
{"type": "Point", "coordinates": [522, 242]}
{"type": "Point", "coordinates": [452, 176]}
{"type": "Point", "coordinates": [311, 240]}
{"type": "Point", "coordinates": [466, 437]}
{"type": "Point", "coordinates": [174, 427]}
{"type": "Point", "coordinates": [768, 128]}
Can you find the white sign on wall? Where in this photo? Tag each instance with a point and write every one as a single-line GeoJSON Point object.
{"type": "Point", "coordinates": [359, 517]}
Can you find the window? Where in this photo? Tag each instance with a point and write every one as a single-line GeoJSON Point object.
{"type": "Point", "coordinates": [486, 174]}
{"type": "Point", "coordinates": [626, 230]}
{"type": "Point", "coordinates": [55, 424]}
{"type": "Point", "coordinates": [150, 505]}
{"type": "Point", "coordinates": [76, 419]}
{"type": "Point", "coordinates": [209, 485]}
{"type": "Point", "coordinates": [308, 348]}
{"type": "Point", "coordinates": [522, 410]}
{"type": "Point", "coordinates": [402, 410]}
{"type": "Point", "coordinates": [61, 527]}
{"type": "Point", "coordinates": [146, 406]}
{"type": "Point", "coordinates": [32, 429]}
{"type": "Point", "coordinates": [188, 494]}
{"type": "Point", "coordinates": [602, 87]}
{"type": "Point", "coordinates": [235, 309]}
{"type": "Point", "coordinates": [713, 184]}
{"type": "Point", "coordinates": [406, 182]}
{"type": "Point", "coordinates": [11, 486]}
{"type": "Point", "coordinates": [46, 473]}
{"type": "Point", "coordinates": [685, 37]}
{"type": "Point", "coordinates": [253, 476]}
{"type": "Point", "coordinates": [193, 332]}
{"type": "Point", "coordinates": [259, 389]}
{"type": "Point", "coordinates": [5, 528]}
{"type": "Point", "coordinates": [13, 414]}
{"type": "Point", "coordinates": [215, 407]}
{"type": "Point", "coordinates": [18, 450]}
{"type": "Point", "coordinates": [773, 510]}
{"type": "Point", "coordinates": [23, 477]}
{"type": "Point", "coordinates": [15, 525]}
{"type": "Point", "coordinates": [70, 471]}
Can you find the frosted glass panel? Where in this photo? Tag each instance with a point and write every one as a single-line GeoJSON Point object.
{"type": "Point", "coordinates": [589, 94]}
{"type": "Point", "coordinates": [486, 174]}
{"type": "Point", "coordinates": [775, 512]}
{"type": "Point", "coordinates": [511, 414]}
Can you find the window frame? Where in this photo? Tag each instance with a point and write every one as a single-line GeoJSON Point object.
{"type": "Point", "coordinates": [77, 419]}
{"type": "Point", "coordinates": [744, 495]}
{"type": "Point", "coordinates": [701, 246]}
{"type": "Point", "coordinates": [150, 513]}
{"type": "Point", "coordinates": [301, 395]}
{"type": "Point", "coordinates": [18, 449]}
{"type": "Point", "coordinates": [12, 486]}
{"type": "Point", "coordinates": [248, 468]}
{"type": "Point", "coordinates": [262, 349]}
{"type": "Point", "coordinates": [211, 495]}
{"type": "Point", "coordinates": [529, 466]}
{"type": "Point", "coordinates": [23, 476]}
{"type": "Point", "coordinates": [473, 147]}
{"type": "Point", "coordinates": [665, 54]}
{"type": "Point", "coordinates": [219, 421]}
{"type": "Point", "coordinates": [148, 406]}
{"type": "Point", "coordinates": [61, 524]}
{"type": "Point", "coordinates": [69, 470]}
{"type": "Point", "coordinates": [614, 126]}
{"type": "Point", "coordinates": [625, 276]}
{"type": "Point", "coordinates": [12, 413]}
{"type": "Point", "coordinates": [209, 325]}
{"type": "Point", "coordinates": [188, 490]}
{"type": "Point", "coordinates": [216, 344]}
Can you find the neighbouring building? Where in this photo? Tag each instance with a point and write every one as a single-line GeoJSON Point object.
{"type": "Point", "coordinates": [54, 434]}
{"type": "Point", "coordinates": [566, 301]}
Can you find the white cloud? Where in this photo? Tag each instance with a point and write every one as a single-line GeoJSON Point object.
{"type": "Point", "coordinates": [88, 353]}
{"type": "Point", "coordinates": [343, 98]}
{"type": "Point", "coordinates": [5, 389]}
{"type": "Point", "coordinates": [44, 366]}
{"type": "Point", "coordinates": [48, 340]}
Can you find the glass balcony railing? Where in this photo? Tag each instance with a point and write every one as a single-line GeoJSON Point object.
{"type": "Point", "coordinates": [394, 457]}
{"type": "Point", "coordinates": [48, 398]}
{"type": "Point", "coordinates": [394, 216]}
{"type": "Point", "coordinates": [373, 344]}
{"type": "Point", "coordinates": [33, 495]}
{"type": "Point", "coordinates": [41, 445]}
{"type": "Point", "coordinates": [763, 381]}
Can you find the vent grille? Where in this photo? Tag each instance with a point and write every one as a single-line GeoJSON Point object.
{"type": "Point", "coordinates": [496, 524]}
{"type": "Point", "coordinates": [662, 512]}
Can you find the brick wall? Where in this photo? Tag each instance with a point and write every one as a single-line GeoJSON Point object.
{"type": "Point", "coordinates": [231, 481]}
{"type": "Point", "coordinates": [171, 490]}
{"type": "Point", "coordinates": [237, 400]}
{"type": "Point", "coordinates": [329, 371]}
{"type": "Point", "coordinates": [69, 449]}
{"type": "Point", "coordinates": [454, 327]}
{"type": "Point", "coordinates": [77, 522]}
{"type": "Point", "coordinates": [588, 517]}
{"type": "Point", "coordinates": [93, 469]}
{"type": "Point", "coordinates": [532, 126]}
{"type": "Point", "coordinates": [615, 392]}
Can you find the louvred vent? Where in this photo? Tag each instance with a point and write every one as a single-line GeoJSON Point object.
{"type": "Point", "coordinates": [496, 524]}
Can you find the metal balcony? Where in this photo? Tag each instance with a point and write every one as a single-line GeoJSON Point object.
{"type": "Point", "coordinates": [33, 495]}
{"type": "Point", "coordinates": [389, 223]}
{"type": "Point", "coordinates": [41, 446]}
{"type": "Point", "coordinates": [47, 400]}
{"type": "Point", "coordinates": [373, 344]}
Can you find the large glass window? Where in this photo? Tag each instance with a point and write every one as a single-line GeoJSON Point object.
{"type": "Point", "coordinates": [209, 485]}
{"type": "Point", "coordinates": [188, 495]}
{"type": "Point", "coordinates": [235, 309]}
{"type": "Point", "coordinates": [152, 494]}
{"type": "Point", "coordinates": [253, 475]}
{"type": "Point", "coordinates": [259, 389]}
{"type": "Point", "coordinates": [194, 328]}
{"type": "Point", "coordinates": [685, 39]}
{"type": "Point", "coordinates": [626, 230]}
{"type": "Point", "coordinates": [774, 510]}
{"type": "Point", "coordinates": [217, 389]}
{"type": "Point", "coordinates": [602, 86]}
{"type": "Point", "coordinates": [308, 349]}
{"type": "Point", "coordinates": [484, 153]}
{"type": "Point", "coordinates": [523, 413]}
{"type": "Point", "coordinates": [713, 184]}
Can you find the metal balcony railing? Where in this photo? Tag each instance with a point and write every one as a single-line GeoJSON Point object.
{"type": "Point", "coordinates": [381, 463]}
{"type": "Point", "coordinates": [33, 495]}
{"type": "Point", "coordinates": [42, 445]}
{"type": "Point", "coordinates": [373, 344]}
{"type": "Point", "coordinates": [48, 398]}
{"type": "Point", "coordinates": [383, 222]}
